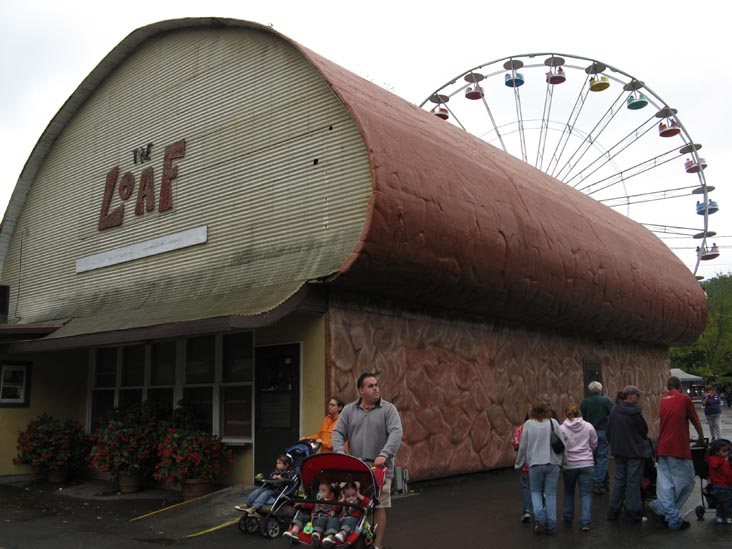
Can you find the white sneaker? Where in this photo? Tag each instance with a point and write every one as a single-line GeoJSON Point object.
{"type": "Point", "coordinates": [720, 520]}
{"type": "Point", "coordinates": [292, 535]}
{"type": "Point", "coordinates": [340, 537]}
{"type": "Point", "coordinates": [526, 517]}
{"type": "Point", "coordinates": [328, 541]}
{"type": "Point", "coordinates": [242, 508]}
{"type": "Point", "coordinates": [316, 539]}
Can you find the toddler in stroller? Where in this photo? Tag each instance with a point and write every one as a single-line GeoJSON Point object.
{"type": "Point", "coordinates": [720, 477]}
{"type": "Point", "coordinates": [284, 471]}
{"type": "Point", "coordinates": [269, 509]}
{"type": "Point", "coordinates": [350, 529]}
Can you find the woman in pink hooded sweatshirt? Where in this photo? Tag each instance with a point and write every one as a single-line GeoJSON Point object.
{"type": "Point", "coordinates": [581, 440]}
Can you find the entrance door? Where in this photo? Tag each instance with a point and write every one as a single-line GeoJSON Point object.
{"type": "Point", "coordinates": [277, 403]}
{"type": "Point", "coordinates": [592, 372]}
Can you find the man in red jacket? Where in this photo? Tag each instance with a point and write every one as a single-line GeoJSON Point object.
{"type": "Point", "coordinates": [674, 466]}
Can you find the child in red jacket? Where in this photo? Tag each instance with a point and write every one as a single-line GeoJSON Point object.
{"type": "Point", "coordinates": [720, 475]}
{"type": "Point", "coordinates": [350, 516]}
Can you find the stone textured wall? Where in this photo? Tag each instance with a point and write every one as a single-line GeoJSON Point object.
{"type": "Point", "coordinates": [462, 386]}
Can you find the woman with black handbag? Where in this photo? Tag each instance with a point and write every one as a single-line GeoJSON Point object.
{"type": "Point", "coordinates": [542, 447]}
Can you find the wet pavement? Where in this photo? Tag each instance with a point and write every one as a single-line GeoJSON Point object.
{"type": "Point", "coordinates": [476, 510]}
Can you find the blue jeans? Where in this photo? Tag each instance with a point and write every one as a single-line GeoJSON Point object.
{"type": "Point", "coordinates": [628, 478]}
{"type": "Point", "coordinates": [259, 497]}
{"type": "Point", "coordinates": [723, 497]}
{"type": "Point", "coordinates": [543, 479]}
{"type": "Point", "coordinates": [583, 478]}
{"type": "Point", "coordinates": [324, 523]}
{"type": "Point", "coordinates": [673, 487]}
{"type": "Point", "coordinates": [526, 494]}
{"type": "Point", "coordinates": [603, 454]}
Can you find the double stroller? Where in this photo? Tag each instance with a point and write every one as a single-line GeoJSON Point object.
{"type": "Point", "coordinates": [279, 511]}
{"type": "Point", "coordinates": [336, 470]}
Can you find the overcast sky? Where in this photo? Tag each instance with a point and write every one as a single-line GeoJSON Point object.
{"type": "Point", "coordinates": [411, 48]}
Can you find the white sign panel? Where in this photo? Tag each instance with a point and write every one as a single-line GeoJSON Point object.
{"type": "Point", "coordinates": [147, 248]}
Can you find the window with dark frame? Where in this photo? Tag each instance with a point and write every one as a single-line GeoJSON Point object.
{"type": "Point", "coordinates": [212, 374]}
{"type": "Point", "coordinates": [14, 385]}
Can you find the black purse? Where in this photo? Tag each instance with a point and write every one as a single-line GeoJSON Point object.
{"type": "Point", "coordinates": [554, 439]}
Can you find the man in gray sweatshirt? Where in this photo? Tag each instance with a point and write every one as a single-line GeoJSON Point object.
{"type": "Point", "coordinates": [373, 429]}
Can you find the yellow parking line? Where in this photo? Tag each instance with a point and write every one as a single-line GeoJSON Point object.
{"type": "Point", "coordinates": [219, 527]}
{"type": "Point", "coordinates": [168, 508]}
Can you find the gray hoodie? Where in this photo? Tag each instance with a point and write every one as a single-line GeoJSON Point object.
{"type": "Point", "coordinates": [372, 433]}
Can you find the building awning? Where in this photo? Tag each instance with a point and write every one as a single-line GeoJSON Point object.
{"type": "Point", "coordinates": [247, 310]}
{"type": "Point", "coordinates": [15, 332]}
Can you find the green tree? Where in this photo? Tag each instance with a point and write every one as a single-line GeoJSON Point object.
{"type": "Point", "coordinates": [711, 354]}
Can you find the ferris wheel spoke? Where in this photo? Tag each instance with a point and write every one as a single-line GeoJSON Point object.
{"type": "Point", "coordinates": [544, 131]}
{"type": "Point", "coordinates": [630, 200]}
{"type": "Point", "coordinates": [520, 119]}
{"type": "Point", "coordinates": [630, 172]}
{"type": "Point", "coordinates": [493, 122]}
{"type": "Point", "coordinates": [593, 136]}
{"type": "Point", "coordinates": [644, 197]}
{"type": "Point", "coordinates": [568, 127]}
{"type": "Point", "coordinates": [671, 229]}
{"type": "Point", "coordinates": [606, 157]}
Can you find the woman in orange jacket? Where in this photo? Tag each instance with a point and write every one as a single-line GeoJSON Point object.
{"type": "Point", "coordinates": [324, 435]}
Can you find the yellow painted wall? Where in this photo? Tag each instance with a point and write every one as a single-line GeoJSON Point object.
{"type": "Point", "coordinates": [58, 387]}
{"type": "Point", "coordinates": [309, 330]}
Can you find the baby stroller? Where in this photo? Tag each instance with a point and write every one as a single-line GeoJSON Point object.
{"type": "Point", "coordinates": [279, 510]}
{"type": "Point", "coordinates": [701, 469]}
{"type": "Point", "coordinates": [337, 469]}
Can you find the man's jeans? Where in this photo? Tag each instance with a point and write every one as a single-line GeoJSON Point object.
{"type": "Point", "coordinates": [544, 480]}
{"type": "Point", "coordinates": [628, 478]}
{"type": "Point", "coordinates": [603, 453]}
{"type": "Point", "coordinates": [673, 487]}
{"type": "Point", "coordinates": [583, 478]}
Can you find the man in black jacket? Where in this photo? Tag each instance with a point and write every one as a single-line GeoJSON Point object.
{"type": "Point", "coordinates": [627, 432]}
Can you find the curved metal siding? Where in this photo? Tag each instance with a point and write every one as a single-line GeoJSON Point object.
{"type": "Point", "coordinates": [255, 116]}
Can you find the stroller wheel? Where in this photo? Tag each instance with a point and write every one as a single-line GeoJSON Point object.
{"type": "Point", "coordinates": [699, 512]}
{"type": "Point", "coordinates": [248, 525]}
{"type": "Point", "coordinates": [270, 528]}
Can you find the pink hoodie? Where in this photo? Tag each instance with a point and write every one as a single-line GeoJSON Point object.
{"type": "Point", "coordinates": [581, 439]}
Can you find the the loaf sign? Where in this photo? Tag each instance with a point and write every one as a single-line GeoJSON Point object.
{"type": "Point", "coordinates": [145, 200]}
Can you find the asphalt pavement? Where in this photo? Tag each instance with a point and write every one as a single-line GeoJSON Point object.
{"type": "Point", "coordinates": [478, 510]}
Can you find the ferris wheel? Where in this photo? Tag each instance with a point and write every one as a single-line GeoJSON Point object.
{"type": "Point", "coordinates": [595, 128]}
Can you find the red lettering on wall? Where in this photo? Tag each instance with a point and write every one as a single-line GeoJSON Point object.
{"type": "Point", "coordinates": [126, 186]}
{"type": "Point", "coordinates": [114, 218]}
{"type": "Point", "coordinates": [145, 201]}
{"type": "Point", "coordinates": [145, 193]}
{"type": "Point", "coordinates": [170, 172]}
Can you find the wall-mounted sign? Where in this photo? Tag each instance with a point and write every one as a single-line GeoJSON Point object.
{"type": "Point", "coordinates": [145, 201]}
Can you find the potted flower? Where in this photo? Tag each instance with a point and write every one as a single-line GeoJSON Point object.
{"type": "Point", "coordinates": [192, 458]}
{"type": "Point", "coordinates": [125, 446]}
{"type": "Point", "coordinates": [51, 446]}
